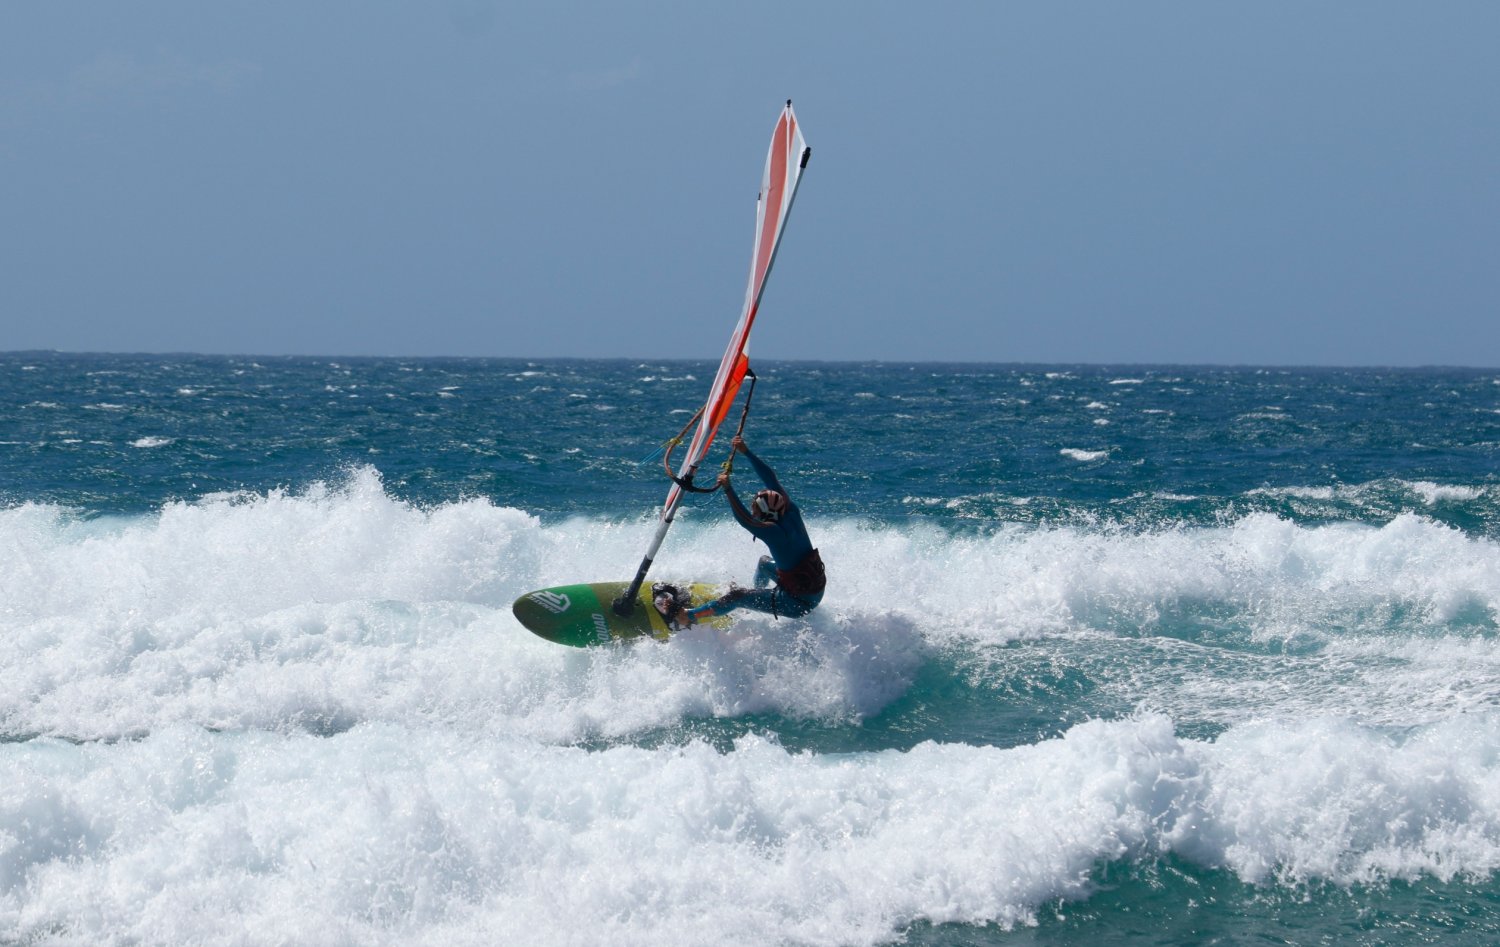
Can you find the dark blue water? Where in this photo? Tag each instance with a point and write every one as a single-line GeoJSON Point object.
{"type": "Point", "coordinates": [1138, 655]}
{"type": "Point", "coordinates": [885, 441]}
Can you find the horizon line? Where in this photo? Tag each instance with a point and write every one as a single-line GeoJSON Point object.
{"type": "Point", "coordinates": [1386, 366]}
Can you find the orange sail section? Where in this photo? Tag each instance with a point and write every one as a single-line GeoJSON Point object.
{"type": "Point", "coordinates": [731, 389]}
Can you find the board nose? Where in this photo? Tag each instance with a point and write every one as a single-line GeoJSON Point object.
{"type": "Point", "coordinates": [539, 618]}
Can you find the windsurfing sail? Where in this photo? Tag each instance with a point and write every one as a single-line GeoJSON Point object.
{"type": "Point", "coordinates": [778, 188]}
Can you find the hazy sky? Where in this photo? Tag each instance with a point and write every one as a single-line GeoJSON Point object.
{"type": "Point", "coordinates": [1193, 182]}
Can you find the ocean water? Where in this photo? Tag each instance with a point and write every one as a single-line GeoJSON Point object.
{"type": "Point", "coordinates": [1134, 655]}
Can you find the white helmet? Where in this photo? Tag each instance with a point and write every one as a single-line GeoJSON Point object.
{"type": "Point", "coordinates": [768, 505]}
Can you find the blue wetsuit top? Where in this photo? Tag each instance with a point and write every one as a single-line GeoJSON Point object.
{"type": "Point", "coordinates": [787, 537]}
{"type": "Point", "coordinates": [790, 547]}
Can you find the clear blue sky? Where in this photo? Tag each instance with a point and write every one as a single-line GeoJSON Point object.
{"type": "Point", "coordinates": [1266, 183]}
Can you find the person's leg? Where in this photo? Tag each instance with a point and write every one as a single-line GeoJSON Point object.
{"type": "Point", "coordinates": [792, 606]}
{"type": "Point", "coordinates": [758, 600]}
{"type": "Point", "coordinates": [765, 573]}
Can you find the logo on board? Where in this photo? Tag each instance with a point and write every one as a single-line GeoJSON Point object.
{"type": "Point", "coordinates": [551, 601]}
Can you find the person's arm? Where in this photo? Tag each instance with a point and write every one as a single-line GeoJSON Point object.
{"type": "Point", "coordinates": [736, 506]}
{"type": "Point", "coordinates": [766, 474]}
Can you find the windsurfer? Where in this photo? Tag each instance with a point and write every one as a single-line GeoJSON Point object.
{"type": "Point", "coordinates": [788, 582]}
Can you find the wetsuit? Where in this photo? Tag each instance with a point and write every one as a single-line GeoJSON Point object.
{"type": "Point", "coordinates": [788, 582]}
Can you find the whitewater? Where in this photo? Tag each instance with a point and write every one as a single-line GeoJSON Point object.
{"type": "Point", "coordinates": [1148, 707]}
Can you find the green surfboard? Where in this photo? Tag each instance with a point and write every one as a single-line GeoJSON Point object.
{"type": "Point", "coordinates": [583, 615]}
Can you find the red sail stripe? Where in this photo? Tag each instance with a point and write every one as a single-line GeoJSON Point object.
{"type": "Point", "coordinates": [773, 205]}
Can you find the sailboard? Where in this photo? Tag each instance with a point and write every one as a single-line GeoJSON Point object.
{"type": "Point", "coordinates": [587, 618]}
{"type": "Point", "coordinates": [583, 615]}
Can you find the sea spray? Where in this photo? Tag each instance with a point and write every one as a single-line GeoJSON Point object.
{"type": "Point", "coordinates": [1236, 676]}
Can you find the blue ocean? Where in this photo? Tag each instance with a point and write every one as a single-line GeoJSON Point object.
{"type": "Point", "coordinates": [1137, 655]}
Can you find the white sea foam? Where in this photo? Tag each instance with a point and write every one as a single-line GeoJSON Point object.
{"type": "Point", "coordinates": [343, 605]}
{"type": "Point", "coordinates": [1268, 414]}
{"type": "Point", "coordinates": [387, 834]}
{"type": "Point", "coordinates": [1435, 493]}
{"type": "Point", "coordinates": [313, 712]}
{"type": "Point", "coordinates": [338, 606]}
{"type": "Point", "coordinates": [1305, 493]}
{"type": "Point", "coordinates": [151, 442]}
{"type": "Point", "coordinates": [1083, 455]}
{"type": "Point", "coordinates": [1430, 493]}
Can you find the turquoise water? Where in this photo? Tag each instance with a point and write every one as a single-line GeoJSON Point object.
{"type": "Point", "coordinates": [1135, 655]}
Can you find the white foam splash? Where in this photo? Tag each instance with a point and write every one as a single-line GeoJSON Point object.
{"type": "Point", "coordinates": [388, 834]}
{"type": "Point", "coordinates": [1083, 456]}
{"type": "Point", "coordinates": [314, 712]}
{"type": "Point", "coordinates": [1434, 493]}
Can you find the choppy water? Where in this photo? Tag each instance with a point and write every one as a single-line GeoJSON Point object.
{"type": "Point", "coordinates": [1109, 655]}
